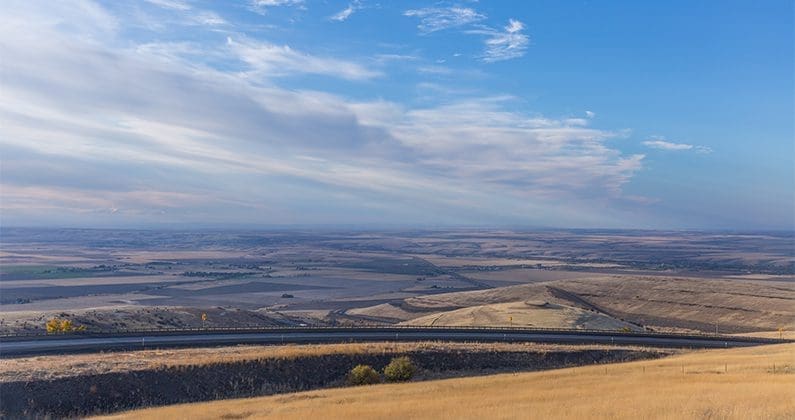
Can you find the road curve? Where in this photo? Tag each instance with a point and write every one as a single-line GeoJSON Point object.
{"type": "Point", "coordinates": [28, 346]}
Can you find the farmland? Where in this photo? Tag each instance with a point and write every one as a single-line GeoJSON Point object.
{"type": "Point", "coordinates": [670, 281]}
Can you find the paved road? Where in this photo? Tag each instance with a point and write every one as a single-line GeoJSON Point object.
{"type": "Point", "coordinates": [66, 344]}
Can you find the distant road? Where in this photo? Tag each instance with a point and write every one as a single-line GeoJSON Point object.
{"type": "Point", "coordinates": [38, 345]}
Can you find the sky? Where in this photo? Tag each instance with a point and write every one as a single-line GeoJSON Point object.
{"type": "Point", "coordinates": [257, 113]}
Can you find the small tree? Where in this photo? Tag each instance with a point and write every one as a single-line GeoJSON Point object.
{"type": "Point", "coordinates": [67, 325]}
{"type": "Point", "coordinates": [400, 369]}
{"type": "Point", "coordinates": [53, 326]}
{"type": "Point", "coordinates": [56, 325]}
{"type": "Point", "coordinates": [363, 375]}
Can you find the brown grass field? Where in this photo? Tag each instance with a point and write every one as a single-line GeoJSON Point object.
{"type": "Point", "coordinates": [746, 383]}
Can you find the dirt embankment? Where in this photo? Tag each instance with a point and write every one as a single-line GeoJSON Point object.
{"type": "Point", "coordinates": [116, 391]}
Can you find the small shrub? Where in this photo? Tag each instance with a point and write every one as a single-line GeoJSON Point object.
{"type": "Point", "coordinates": [56, 325]}
{"type": "Point", "coordinates": [400, 369]}
{"type": "Point", "coordinates": [53, 326]}
{"type": "Point", "coordinates": [625, 329]}
{"type": "Point", "coordinates": [363, 375]}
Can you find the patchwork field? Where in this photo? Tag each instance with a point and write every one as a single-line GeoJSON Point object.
{"type": "Point", "coordinates": [121, 280]}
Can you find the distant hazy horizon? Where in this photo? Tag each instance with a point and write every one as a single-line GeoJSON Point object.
{"type": "Point", "coordinates": [355, 113]}
{"type": "Point", "coordinates": [381, 229]}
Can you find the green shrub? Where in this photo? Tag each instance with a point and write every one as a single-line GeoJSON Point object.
{"type": "Point", "coordinates": [400, 369]}
{"type": "Point", "coordinates": [363, 375]}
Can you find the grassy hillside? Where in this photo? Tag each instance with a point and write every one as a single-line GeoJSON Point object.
{"type": "Point", "coordinates": [744, 383]}
{"type": "Point", "coordinates": [663, 303]}
{"type": "Point", "coordinates": [541, 314]}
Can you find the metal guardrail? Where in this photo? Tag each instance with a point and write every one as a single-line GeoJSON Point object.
{"type": "Point", "coordinates": [380, 328]}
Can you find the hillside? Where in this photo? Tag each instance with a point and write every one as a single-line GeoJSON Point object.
{"type": "Point", "coordinates": [662, 303]}
{"type": "Point", "coordinates": [746, 383]}
{"type": "Point", "coordinates": [541, 314]}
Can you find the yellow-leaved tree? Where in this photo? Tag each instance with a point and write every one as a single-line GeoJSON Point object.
{"type": "Point", "coordinates": [56, 325]}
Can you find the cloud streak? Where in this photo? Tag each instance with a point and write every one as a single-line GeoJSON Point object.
{"type": "Point", "coordinates": [262, 6]}
{"type": "Point", "coordinates": [269, 60]}
{"type": "Point", "coordinates": [506, 44]}
{"type": "Point", "coordinates": [434, 19]}
{"type": "Point", "coordinates": [345, 13]}
{"type": "Point", "coordinates": [171, 4]}
{"type": "Point", "coordinates": [671, 146]}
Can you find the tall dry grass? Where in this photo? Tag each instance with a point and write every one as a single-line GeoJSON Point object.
{"type": "Point", "coordinates": [748, 383]}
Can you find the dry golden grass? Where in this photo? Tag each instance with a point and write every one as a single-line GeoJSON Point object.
{"type": "Point", "coordinates": [731, 384]}
{"type": "Point", "coordinates": [785, 334]}
{"type": "Point", "coordinates": [541, 314]}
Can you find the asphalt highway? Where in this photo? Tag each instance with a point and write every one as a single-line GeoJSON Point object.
{"type": "Point", "coordinates": [21, 346]}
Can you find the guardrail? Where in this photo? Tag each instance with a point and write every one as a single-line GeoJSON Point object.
{"type": "Point", "coordinates": [380, 328]}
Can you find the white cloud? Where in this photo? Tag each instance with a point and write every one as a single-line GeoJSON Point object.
{"type": "Point", "coordinates": [171, 4]}
{"type": "Point", "coordinates": [661, 144]}
{"type": "Point", "coordinates": [269, 60]}
{"type": "Point", "coordinates": [478, 139]}
{"type": "Point", "coordinates": [503, 45]}
{"type": "Point", "coordinates": [435, 69]}
{"type": "Point", "coordinates": [208, 18]}
{"type": "Point", "coordinates": [590, 114]}
{"type": "Point", "coordinates": [345, 13]}
{"type": "Point", "coordinates": [514, 26]}
{"type": "Point", "coordinates": [666, 145]}
{"type": "Point", "coordinates": [272, 3]}
{"type": "Point", "coordinates": [386, 58]}
{"type": "Point", "coordinates": [154, 131]}
{"type": "Point", "coordinates": [261, 6]}
{"type": "Point", "coordinates": [187, 14]}
{"type": "Point", "coordinates": [434, 19]}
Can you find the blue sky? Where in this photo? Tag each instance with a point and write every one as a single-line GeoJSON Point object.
{"type": "Point", "coordinates": [282, 112]}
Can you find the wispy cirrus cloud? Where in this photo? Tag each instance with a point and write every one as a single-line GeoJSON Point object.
{"type": "Point", "coordinates": [345, 13]}
{"type": "Point", "coordinates": [183, 132]}
{"type": "Point", "coordinates": [262, 6]}
{"type": "Point", "coordinates": [188, 15]}
{"type": "Point", "coordinates": [434, 19]}
{"type": "Point", "coordinates": [208, 18]}
{"type": "Point", "coordinates": [661, 144]}
{"type": "Point", "coordinates": [268, 60]}
{"type": "Point", "coordinates": [273, 3]}
{"type": "Point", "coordinates": [171, 4]}
{"type": "Point", "coordinates": [506, 44]}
